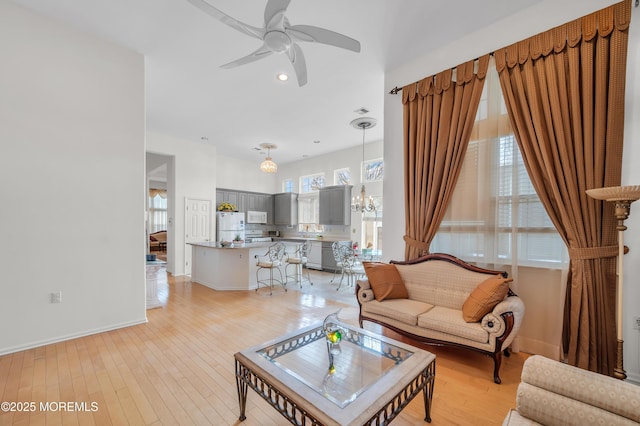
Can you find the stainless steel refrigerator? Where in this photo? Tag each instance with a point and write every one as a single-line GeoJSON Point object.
{"type": "Point", "coordinates": [229, 226]}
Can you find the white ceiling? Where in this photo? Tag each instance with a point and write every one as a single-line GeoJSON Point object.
{"type": "Point", "coordinates": [189, 96]}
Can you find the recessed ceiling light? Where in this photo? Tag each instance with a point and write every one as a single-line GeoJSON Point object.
{"type": "Point", "coordinates": [282, 77]}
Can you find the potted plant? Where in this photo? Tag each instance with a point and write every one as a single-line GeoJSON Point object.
{"type": "Point", "coordinates": [227, 207]}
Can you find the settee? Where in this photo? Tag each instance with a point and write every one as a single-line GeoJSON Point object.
{"type": "Point", "coordinates": [552, 393]}
{"type": "Point", "coordinates": [440, 299]}
{"type": "Point", "coordinates": [157, 240]}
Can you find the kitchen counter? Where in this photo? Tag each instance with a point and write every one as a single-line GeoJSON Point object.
{"type": "Point", "coordinates": [226, 268]}
{"type": "Point", "coordinates": [301, 239]}
{"type": "Point", "coordinates": [213, 245]}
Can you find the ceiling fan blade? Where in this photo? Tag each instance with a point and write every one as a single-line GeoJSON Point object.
{"type": "Point", "coordinates": [274, 13]}
{"type": "Point", "coordinates": [322, 35]}
{"type": "Point", "coordinates": [228, 20]}
{"type": "Point", "coordinates": [262, 52]}
{"type": "Point", "coordinates": [299, 64]}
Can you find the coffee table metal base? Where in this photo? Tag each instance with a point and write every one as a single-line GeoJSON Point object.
{"type": "Point", "coordinates": [297, 415]}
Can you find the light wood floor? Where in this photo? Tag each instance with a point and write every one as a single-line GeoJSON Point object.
{"type": "Point", "coordinates": [179, 369]}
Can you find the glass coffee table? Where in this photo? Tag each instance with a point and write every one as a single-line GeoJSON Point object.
{"type": "Point", "coordinates": [336, 374]}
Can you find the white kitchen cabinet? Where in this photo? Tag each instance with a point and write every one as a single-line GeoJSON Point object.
{"type": "Point", "coordinates": [314, 260]}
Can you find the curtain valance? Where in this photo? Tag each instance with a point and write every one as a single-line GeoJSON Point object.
{"type": "Point", "coordinates": [602, 22]}
{"type": "Point", "coordinates": [441, 81]}
{"type": "Point", "coordinates": [161, 192]}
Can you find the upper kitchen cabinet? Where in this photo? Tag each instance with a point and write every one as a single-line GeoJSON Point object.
{"type": "Point", "coordinates": [247, 201]}
{"type": "Point", "coordinates": [335, 205]}
{"type": "Point", "coordinates": [262, 203]}
{"type": "Point", "coordinates": [286, 208]}
{"type": "Point", "coordinates": [225, 195]}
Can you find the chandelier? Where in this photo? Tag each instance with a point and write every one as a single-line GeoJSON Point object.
{"type": "Point", "coordinates": [361, 203]}
{"type": "Point", "coordinates": [268, 166]}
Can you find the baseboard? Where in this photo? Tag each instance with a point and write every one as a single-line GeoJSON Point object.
{"type": "Point", "coordinates": [633, 378]}
{"type": "Point", "coordinates": [537, 347]}
{"type": "Point", "coordinates": [32, 345]}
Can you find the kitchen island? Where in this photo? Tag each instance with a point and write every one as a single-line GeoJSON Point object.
{"type": "Point", "coordinates": [226, 268]}
{"type": "Point", "coordinates": [235, 268]}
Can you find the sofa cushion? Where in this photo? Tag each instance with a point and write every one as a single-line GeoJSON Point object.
{"type": "Point", "coordinates": [385, 281]}
{"type": "Point", "coordinates": [449, 321]}
{"type": "Point", "coordinates": [403, 310]}
{"type": "Point", "coordinates": [485, 297]}
{"type": "Point", "coordinates": [567, 386]}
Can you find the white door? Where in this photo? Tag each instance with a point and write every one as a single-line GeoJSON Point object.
{"type": "Point", "coordinates": [197, 227]}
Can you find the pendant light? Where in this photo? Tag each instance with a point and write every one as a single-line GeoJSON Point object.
{"type": "Point", "coordinates": [361, 203]}
{"type": "Point", "coordinates": [268, 166]}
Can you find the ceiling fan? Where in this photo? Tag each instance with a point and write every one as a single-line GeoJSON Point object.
{"type": "Point", "coordinates": [279, 36]}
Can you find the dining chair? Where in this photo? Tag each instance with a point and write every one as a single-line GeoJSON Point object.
{"type": "Point", "coordinates": [298, 259]}
{"type": "Point", "coordinates": [336, 249]}
{"type": "Point", "coordinates": [271, 260]}
{"type": "Point", "coordinates": [351, 266]}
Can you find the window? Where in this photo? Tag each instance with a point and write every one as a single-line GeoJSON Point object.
{"type": "Point", "coordinates": [495, 216]}
{"type": "Point", "coordinates": [308, 212]}
{"type": "Point", "coordinates": [157, 210]}
{"type": "Point", "coordinates": [372, 227]}
{"type": "Point", "coordinates": [311, 183]}
{"type": "Point", "coordinates": [373, 170]}
{"type": "Point", "coordinates": [287, 185]}
{"type": "Point", "coordinates": [342, 176]}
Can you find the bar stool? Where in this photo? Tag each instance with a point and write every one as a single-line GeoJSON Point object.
{"type": "Point", "coordinates": [271, 260]}
{"type": "Point", "coordinates": [298, 259]}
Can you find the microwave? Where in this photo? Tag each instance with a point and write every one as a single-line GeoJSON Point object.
{"type": "Point", "coordinates": [256, 217]}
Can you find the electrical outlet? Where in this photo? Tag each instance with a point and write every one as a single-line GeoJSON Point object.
{"type": "Point", "coordinates": [636, 323]}
{"type": "Point", "coordinates": [56, 297]}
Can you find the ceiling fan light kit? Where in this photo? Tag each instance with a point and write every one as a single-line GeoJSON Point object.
{"type": "Point", "coordinates": [279, 36]}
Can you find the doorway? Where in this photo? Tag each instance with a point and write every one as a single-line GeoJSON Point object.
{"type": "Point", "coordinates": [197, 227]}
{"type": "Point", "coordinates": [158, 207]}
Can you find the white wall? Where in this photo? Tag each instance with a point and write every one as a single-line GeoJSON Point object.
{"type": "Point", "coordinates": [191, 174]}
{"type": "Point", "coordinates": [540, 17]}
{"type": "Point", "coordinates": [351, 158]}
{"type": "Point", "coordinates": [245, 175]}
{"type": "Point", "coordinates": [72, 182]}
{"type": "Point", "coordinates": [631, 176]}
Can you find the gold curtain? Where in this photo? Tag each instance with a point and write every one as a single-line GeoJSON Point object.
{"type": "Point", "coordinates": [439, 115]}
{"type": "Point", "coordinates": [161, 192]}
{"type": "Point", "coordinates": [564, 91]}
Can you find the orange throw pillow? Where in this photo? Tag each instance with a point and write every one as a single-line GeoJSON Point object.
{"type": "Point", "coordinates": [385, 281]}
{"type": "Point", "coordinates": [485, 297]}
